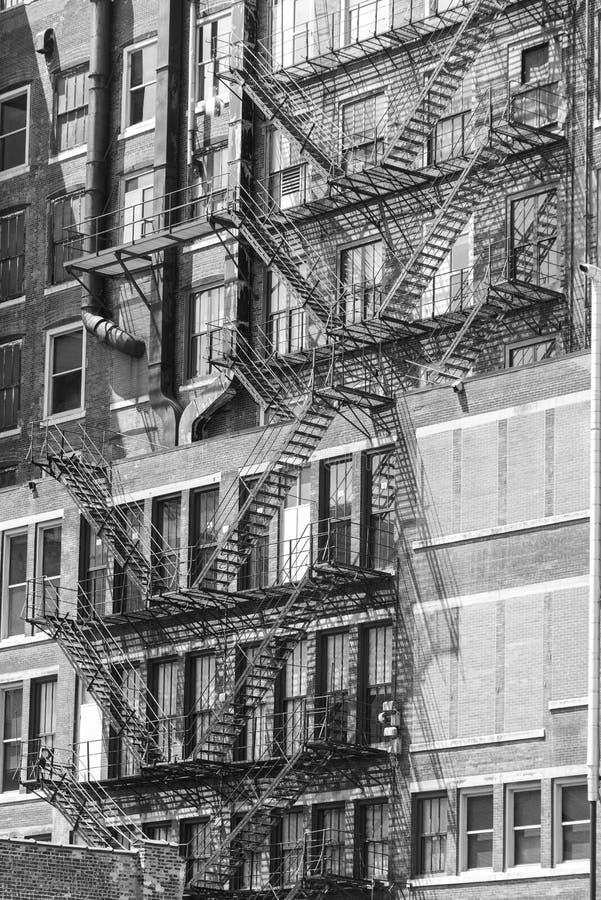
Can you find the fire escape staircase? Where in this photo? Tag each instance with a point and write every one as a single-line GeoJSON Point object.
{"type": "Point", "coordinates": [78, 464]}
{"type": "Point", "coordinates": [96, 656]}
{"type": "Point", "coordinates": [90, 810]}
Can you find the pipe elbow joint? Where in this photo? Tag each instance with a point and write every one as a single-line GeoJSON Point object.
{"type": "Point", "coordinates": [108, 332]}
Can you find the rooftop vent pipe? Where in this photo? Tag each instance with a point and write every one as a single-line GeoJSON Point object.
{"type": "Point", "coordinates": [93, 314]}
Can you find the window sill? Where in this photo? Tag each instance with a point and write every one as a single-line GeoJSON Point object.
{"type": "Point", "coordinates": [18, 797]}
{"type": "Point", "coordinates": [515, 873]}
{"type": "Point", "coordinates": [209, 241]}
{"type": "Point", "coordinates": [63, 286]}
{"type": "Point", "coordinates": [70, 416]}
{"type": "Point", "coordinates": [71, 153]}
{"type": "Point", "coordinates": [116, 405]}
{"type": "Point", "coordinates": [23, 640]}
{"type": "Point", "coordinates": [510, 737]}
{"type": "Point", "coordinates": [134, 130]}
{"type": "Point", "coordinates": [11, 173]}
{"type": "Point", "coordinates": [10, 432]}
{"type": "Point", "coordinates": [14, 301]}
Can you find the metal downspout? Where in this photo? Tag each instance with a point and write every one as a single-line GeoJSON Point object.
{"type": "Point", "coordinates": [93, 312]}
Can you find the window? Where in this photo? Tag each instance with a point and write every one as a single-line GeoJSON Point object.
{"type": "Point", "coordinates": [71, 108]}
{"type": "Point", "coordinates": [293, 31]}
{"type": "Point", "coordinates": [336, 511]}
{"type": "Point", "coordinates": [450, 287]}
{"type": "Point", "coordinates": [206, 314]}
{"type": "Point", "coordinates": [65, 371]}
{"type": "Point", "coordinates": [289, 844]}
{"type": "Point", "coordinates": [448, 139]}
{"type": "Point", "coordinates": [285, 319]}
{"type": "Point", "coordinates": [287, 171]}
{"type": "Point", "coordinates": [140, 84]}
{"type": "Point", "coordinates": [535, 62]}
{"type": "Point", "coordinates": [381, 472]}
{"type": "Point", "coordinates": [329, 841]}
{"type": "Point", "coordinates": [67, 243]}
{"type": "Point", "coordinates": [14, 584]}
{"type": "Point", "coordinates": [361, 274]}
{"type": "Point", "coordinates": [523, 807]}
{"type": "Point", "coordinates": [157, 831]}
{"type": "Point", "coordinates": [291, 731]}
{"type": "Point", "coordinates": [477, 830]}
{"type": "Point", "coordinates": [212, 54]}
{"type": "Point", "coordinates": [43, 719]}
{"type": "Point", "coordinates": [363, 124]}
{"type": "Point", "coordinates": [572, 821]}
{"type": "Point", "coordinates": [12, 255]}
{"type": "Point", "coordinates": [122, 759]}
{"type": "Point", "coordinates": [530, 353]}
{"type": "Point", "coordinates": [14, 131]}
{"type": "Point", "coordinates": [163, 705]}
{"type": "Point", "coordinates": [200, 699]}
{"type": "Point", "coordinates": [138, 207]}
{"type": "Point", "coordinates": [93, 584]}
{"type": "Point", "coordinates": [165, 556]}
{"type": "Point", "coordinates": [11, 709]}
{"type": "Point", "coordinates": [211, 187]}
{"type": "Point", "coordinates": [372, 862]}
{"type": "Point", "coordinates": [377, 674]}
{"type": "Point", "coordinates": [533, 230]}
{"type": "Point", "coordinates": [331, 716]}
{"type": "Point", "coordinates": [296, 531]}
{"type": "Point", "coordinates": [127, 595]}
{"type": "Point", "coordinates": [49, 564]}
{"type": "Point", "coordinates": [431, 835]}
{"type": "Point", "coordinates": [255, 706]}
{"type": "Point", "coordinates": [195, 845]}
{"type": "Point", "coordinates": [254, 573]}
{"type": "Point", "coordinates": [10, 384]}
{"type": "Point", "coordinates": [203, 532]}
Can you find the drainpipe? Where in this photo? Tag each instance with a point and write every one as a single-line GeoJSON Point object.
{"type": "Point", "coordinates": [93, 312]}
{"type": "Point", "coordinates": [593, 273]}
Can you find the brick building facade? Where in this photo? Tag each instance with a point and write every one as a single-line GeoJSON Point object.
{"type": "Point", "coordinates": [294, 441]}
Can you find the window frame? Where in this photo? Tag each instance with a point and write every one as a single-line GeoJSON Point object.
{"type": "Point", "coordinates": [15, 386]}
{"type": "Point", "coordinates": [519, 345]}
{"type": "Point", "coordinates": [5, 584]}
{"type": "Point", "coordinates": [464, 796]}
{"type": "Point", "coordinates": [67, 243]}
{"type": "Point", "coordinates": [51, 335]}
{"type": "Point", "coordinates": [417, 866]}
{"type": "Point", "coordinates": [223, 93]}
{"type": "Point", "coordinates": [4, 689]}
{"type": "Point", "coordinates": [6, 216]}
{"type": "Point", "coordinates": [558, 786]}
{"type": "Point", "coordinates": [191, 335]}
{"type": "Point", "coordinates": [83, 68]}
{"type": "Point", "coordinates": [510, 829]}
{"type": "Point", "coordinates": [145, 124]}
{"type": "Point", "coordinates": [24, 166]}
{"type": "Point", "coordinates": [361, 839]}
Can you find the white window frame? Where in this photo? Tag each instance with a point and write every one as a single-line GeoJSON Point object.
{"type": "Point", "coordinates": [51, 334]}
{"type": "Point", "coordinates": [145, 124]}
{"type": "Point", "coordinates": [464, 796]}
{"type": "Point", "coordinates": [11, 686]}
{"type": "Point", "coordinates": [24, 166]}
{"type": "Point", "coordinates": [40, 529]}
{"type": "Point", "coordinates": [222, 96]}
{"type": "Point", "coordinates": [558, 785]}
{"type": "Point", "coordinates": [6, 538]}
{"type": "Point", "coordinates": [510, 793]}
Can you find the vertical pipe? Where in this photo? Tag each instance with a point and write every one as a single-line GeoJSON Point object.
{"type": "Point", "coordinates": [592, 750]}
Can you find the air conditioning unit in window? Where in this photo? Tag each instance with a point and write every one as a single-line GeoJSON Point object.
{"type": "Point", "coordinates": [389, 718]}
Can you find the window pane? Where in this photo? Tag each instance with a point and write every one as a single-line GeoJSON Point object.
{"type": "Point", "coordinates": [527, 847]}
{"type": "Point", "coordinates": [479, 851]}
{"type": "Point", "coordinates": [574, 805]}
{"type": "Point", "coordinates": [12, 714]}
{"type": "Point", "coordinates": [526, 808]}
{"type": "Point", "coordinates": [51, 551]}
{"type": "Point", "coordinates": [479, 813]}
{"type": "Point", "coordinates": [136, 61]}
{"type": "Point", "coordinates": [67, 352]}
{"type": "Point", "coordinates": [13, 114]}
{"type": "Point", "coordinates": [17, 566]}
{"type": "Point", "coordinates": [576, 841]}
{"type": "Point", "coordinates": [66, 392]}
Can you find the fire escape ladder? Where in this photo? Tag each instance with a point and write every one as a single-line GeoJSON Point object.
{"type": "Point", "coordinates": [405, 142]}
{"type": "Point", "coordinates": [87, 806]}
{"type": "Point", "coordinates": [293, 110]}
{"type": "Point", "coordinates": [277, 240]}
{"type": "Point", "coordinates": [78, 464]}
{"type": "Point", "coordinates": [281, 785]}
{"type": "Point", "coordinates": [90, 647]}
{"type": "Point", "coordinates": [264, 495]}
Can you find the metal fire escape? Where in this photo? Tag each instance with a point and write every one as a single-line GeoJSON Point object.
{"type": "Point", "coordinates": [352, 369]}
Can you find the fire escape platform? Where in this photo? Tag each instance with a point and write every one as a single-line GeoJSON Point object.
{"type": "Point", "coordinates": [136, 256]}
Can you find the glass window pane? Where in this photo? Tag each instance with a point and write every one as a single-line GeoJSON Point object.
{"type": "Point", "coordinates": [17, 566]}
{"type": "Point", "coordinates": [51, 551]}
{"type": "Point", "coordinates": [479, 851]}
{"type": "Point", "coordinates": [67, 352]}
{"type": "Point", "coordinates": [574, 803]}
{"type": "Point", "coordinates": [576, 841]}
{"type": "Point", "coordinates": [13, 701]}
{"type": "Point", "coordinates": [13, 114]}
{"type": "Point", "coordinates": [66, 392]}
{"type": "Point", "coordinates": [479, 813]}
{"type": "Point", "coordinates": [527, 847]}
{"type": "Point", "coordinates": [526, 808]}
